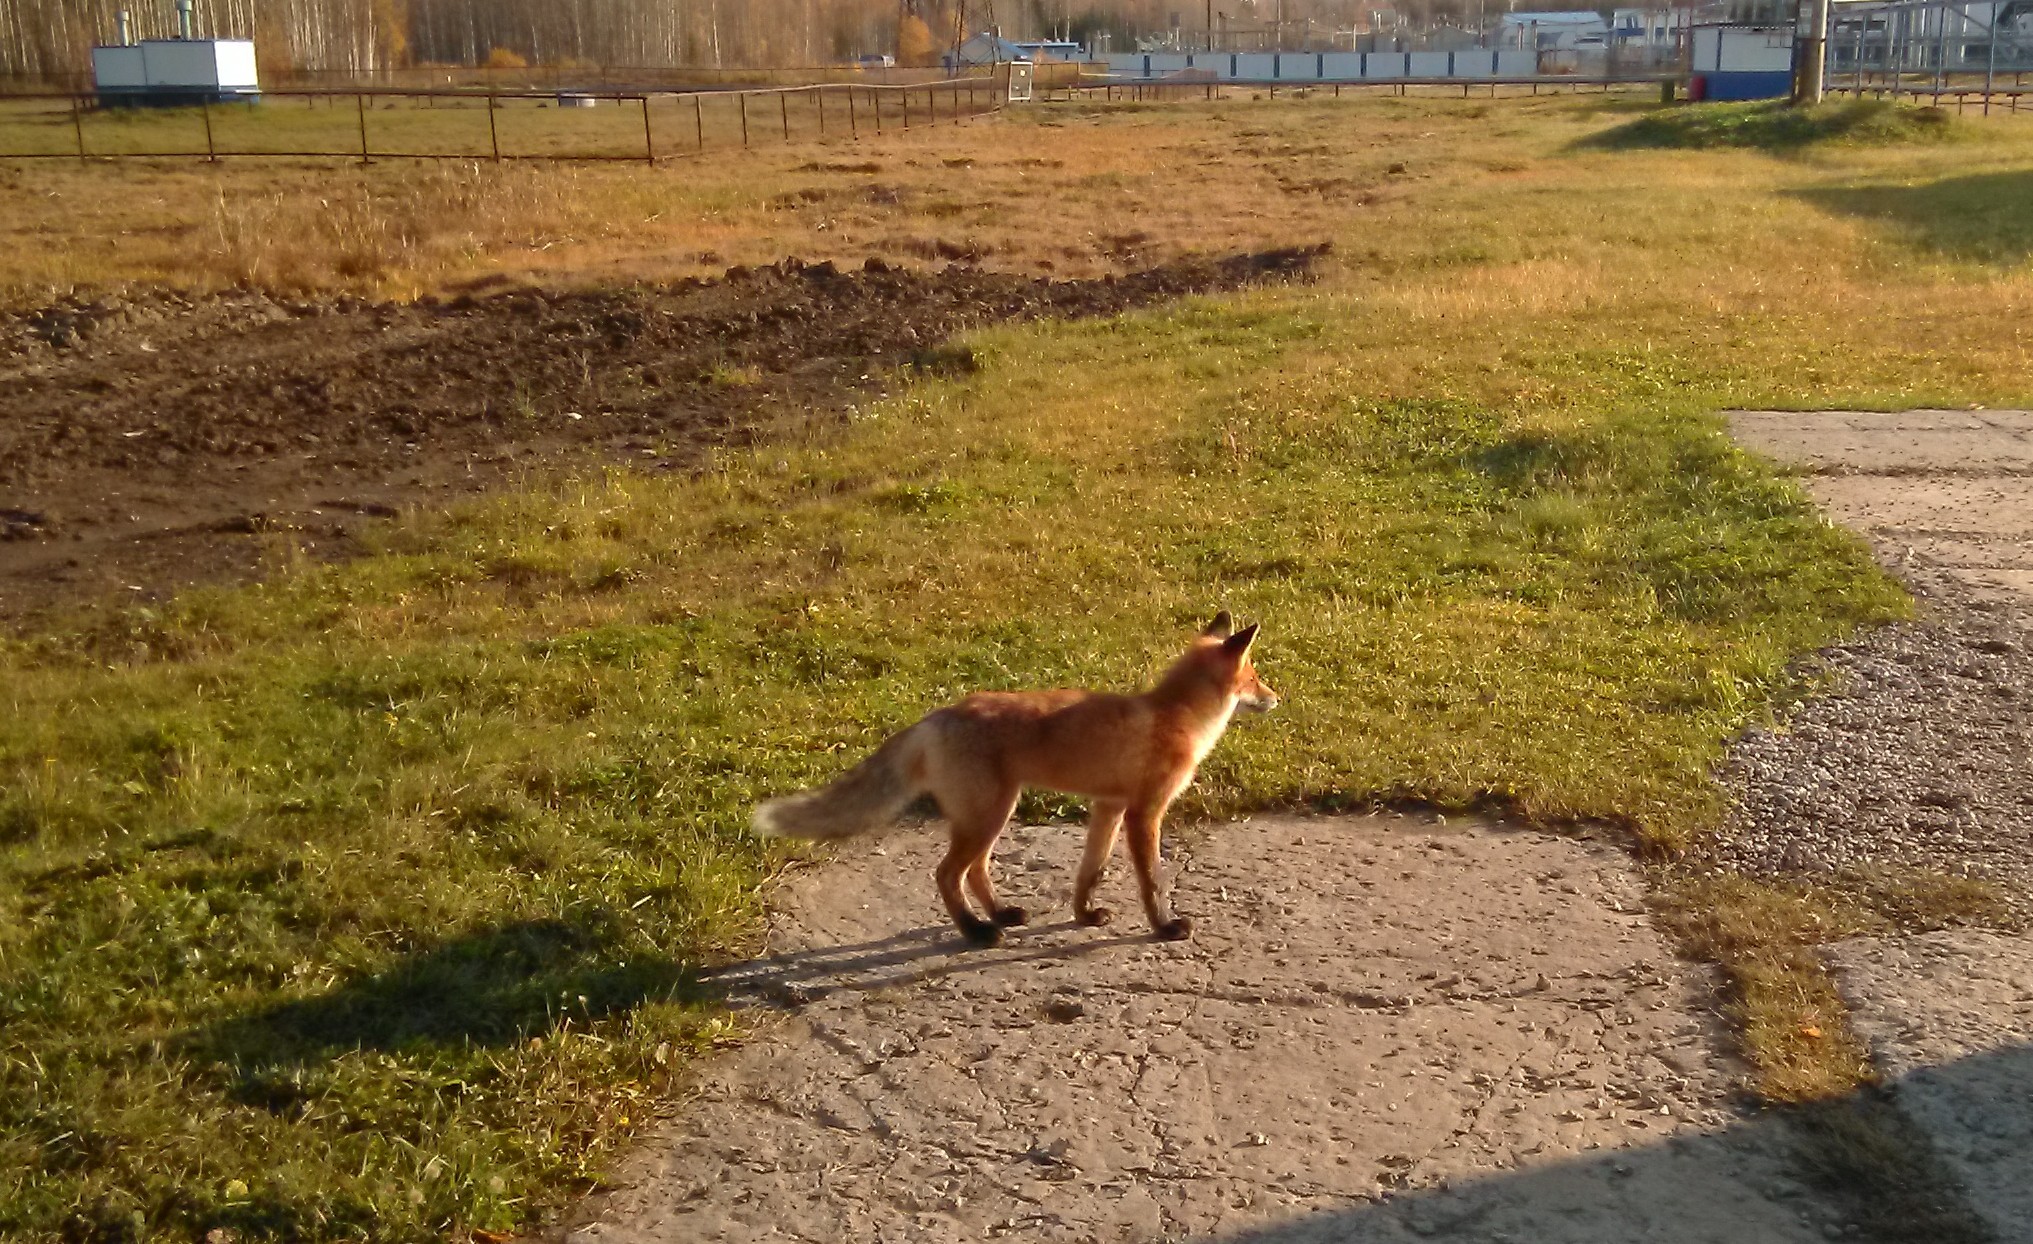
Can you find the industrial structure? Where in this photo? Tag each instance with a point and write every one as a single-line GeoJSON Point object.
{"type": "Point", "coordinates": [183, 70]}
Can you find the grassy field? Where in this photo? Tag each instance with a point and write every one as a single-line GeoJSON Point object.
{"type": "Point", "coordinates": [370, 900]}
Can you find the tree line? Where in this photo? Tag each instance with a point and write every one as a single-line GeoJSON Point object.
{"type": "Point", "coordinates": [365, 37]}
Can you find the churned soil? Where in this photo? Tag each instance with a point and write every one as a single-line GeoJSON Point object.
{"type": "Point", "coordinates": [148, 442]}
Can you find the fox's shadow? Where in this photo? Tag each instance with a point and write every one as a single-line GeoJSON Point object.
{"type": "Point", "coordinates": [793, 978]}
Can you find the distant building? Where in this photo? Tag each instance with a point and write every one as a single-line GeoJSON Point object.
{"type": "Point", "coordinates": [1652, 28]}
{"type": "Point", "coordinates": [987, 48]}
{"type": "Point", "coordinates": [1557, 31]}
{"type": "Point", "coordinates": [1731, 60]}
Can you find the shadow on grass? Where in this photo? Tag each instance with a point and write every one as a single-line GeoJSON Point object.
{"type": "Point", "coordinates": [1858, 1168]}
{"type": "Point", "coordinates": [1778, 128]}
{"type": "Point", "coordinates": [1984, 217]}
{"type": "Point", "coordinates": [503, 985]}
{"type": "Point", "coordinates": [491, 987]}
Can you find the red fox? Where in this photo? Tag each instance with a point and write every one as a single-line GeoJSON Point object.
{"type": "Point", "coordinates": [1131, 754]}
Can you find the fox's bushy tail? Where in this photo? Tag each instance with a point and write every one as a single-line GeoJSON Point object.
{"type": "Point", "coordinates": [871, 795]}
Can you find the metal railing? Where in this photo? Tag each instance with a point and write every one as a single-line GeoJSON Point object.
{"type": "Point", "coordinates": [563, 125]}
{"type": "Point", "coordinates": [1940, 49]}
{"type": "Point", "coordinates": [539, 77]}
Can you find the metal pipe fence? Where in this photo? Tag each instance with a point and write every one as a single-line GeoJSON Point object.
{"type": "Point", "coordinates": [573, 125]}
{"type": "Point", "coordinates": [1960, 50]}
{"type": "Point", "coordinates": [539, 77]}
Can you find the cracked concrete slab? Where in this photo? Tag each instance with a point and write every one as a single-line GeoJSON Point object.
{"type": "Point", "coordinates": [1410, 1028]}
{"type": "Point", "coordinates": [1933, 490]}
{"type": "Point", "coordinates": [1948, 1018]}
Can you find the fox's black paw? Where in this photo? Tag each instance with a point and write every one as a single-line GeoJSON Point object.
{"type": "Point", "coordinates": [1009, 917]}
{"type": "Point", "coordinates": [981, 932]}
{"type": "Point", "coordinates": [1177, 929]}
{"type": "Point", "coordinates": [1095, 917]}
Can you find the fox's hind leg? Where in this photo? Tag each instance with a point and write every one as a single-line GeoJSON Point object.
{"type": "Point", "coordinates": [976, 821]}
{"type": "Point", "coordinates": [982, 886]}
{"type": "Point", "coordinates": [1103, 820]}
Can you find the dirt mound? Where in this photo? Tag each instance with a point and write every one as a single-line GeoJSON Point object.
{"type": "Point", "coordinates": [143, 441]}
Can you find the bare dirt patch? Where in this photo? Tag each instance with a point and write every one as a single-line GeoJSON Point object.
{"type": "Point", "coordinates": [149, 443]}
{"type": "Point", "coordinates": [1383, 1028]}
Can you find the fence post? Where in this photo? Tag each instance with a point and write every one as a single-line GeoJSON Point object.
{"type": "Point", "coordinates": [699, 120]}
{"type": "Point", "coordinates": [820, 94]}
{"type": "Point", "coordinates": [211, 150]}
{"type": "Point", "coordinates": [783, 103]}
{"type": "Point", "coordinates": [853, 125]}
{"type": "Point", "coordinates": [648, 138]}
{"type": "Point", "coordinates": [875, 105]}
{"type": "Point", "coordinates": [741, 98]}
{"type": "Point", "coordinates": [78, 126]}
{"type": "Point", "coordinates": [493, 134]}
{"type": "Point", "coordinates": [907, 107]}
{"type": "Point", "coordinates": [360, 107]}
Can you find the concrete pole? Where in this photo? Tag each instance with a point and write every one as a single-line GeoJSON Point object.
{"type": "Point", "coordinates": [1940, 52]}
{"type": "Point", "coordinates": [1991, 66]}
{"type": "Point", "coordinates": [1814, 57]}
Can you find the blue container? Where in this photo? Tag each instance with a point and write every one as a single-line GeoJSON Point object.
{"type": "Point", "coordinates": [1762, 84]}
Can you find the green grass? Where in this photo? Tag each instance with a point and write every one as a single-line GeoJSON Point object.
{"type": "Point", "coordinates": [1981, 218]}
{"type": "Point", "coordinates": [371, 901]}
{"type": "Point", "coordinates": [404, 867]}
{"type": "Point", "coordinates": [1781, 127]}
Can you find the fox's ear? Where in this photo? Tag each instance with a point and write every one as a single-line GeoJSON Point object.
{"type": "Point", "coordinates": [1220, 627]}
{"type": "Point", "coordinates": [1239, 642]}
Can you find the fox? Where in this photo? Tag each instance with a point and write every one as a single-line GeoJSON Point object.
{"type": "Point", "coordinates": [1130, 755]}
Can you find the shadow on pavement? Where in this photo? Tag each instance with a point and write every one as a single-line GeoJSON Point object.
{"type": "Point", "coordinates": [1863, 1168]}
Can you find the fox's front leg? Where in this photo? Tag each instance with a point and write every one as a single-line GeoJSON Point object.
{"type": "Point", "coordinates": [1142, 831]}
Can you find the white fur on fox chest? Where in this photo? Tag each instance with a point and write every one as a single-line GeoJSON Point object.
{"type": "Point", "coordinates": [1210, 734]}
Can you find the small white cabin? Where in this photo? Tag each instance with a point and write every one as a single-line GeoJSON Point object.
{"type": "Point", "coordinates": [175, 71]}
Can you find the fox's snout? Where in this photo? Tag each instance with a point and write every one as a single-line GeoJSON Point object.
{"type": "Point", "coordinates": [1257, 698]}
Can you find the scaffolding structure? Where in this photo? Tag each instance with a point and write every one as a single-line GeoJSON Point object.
{"type": "Point", "coordinates": [1930, 47]}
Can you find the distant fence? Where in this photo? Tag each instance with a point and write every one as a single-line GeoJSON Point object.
{"type": "Point", "coordinates": [1479, 63]}
{"type": "Point", "coordinates": [365, 125]}
{"type": "Point", "coordinates": [1164, 89]}
{"type": "Point", "coordinates": [576, 76]}
{"type": "Point", "coordinates": [1969, 51]}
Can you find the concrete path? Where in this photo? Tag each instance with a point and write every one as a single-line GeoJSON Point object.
{"type": "Point", "coordinates": [1949, 489]}
{"type": "Point", "coordinates": [1946, 498]}
{"type": "Point", "coordinates": [1383, 1029]}
{"type": "Point", "coordinates": [1949, 1019]}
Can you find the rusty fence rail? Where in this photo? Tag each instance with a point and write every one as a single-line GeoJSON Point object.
{"type": "Point", "coordinates": [366, 124]}
{"type": "Point", "coordinates": [1943, 94]}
